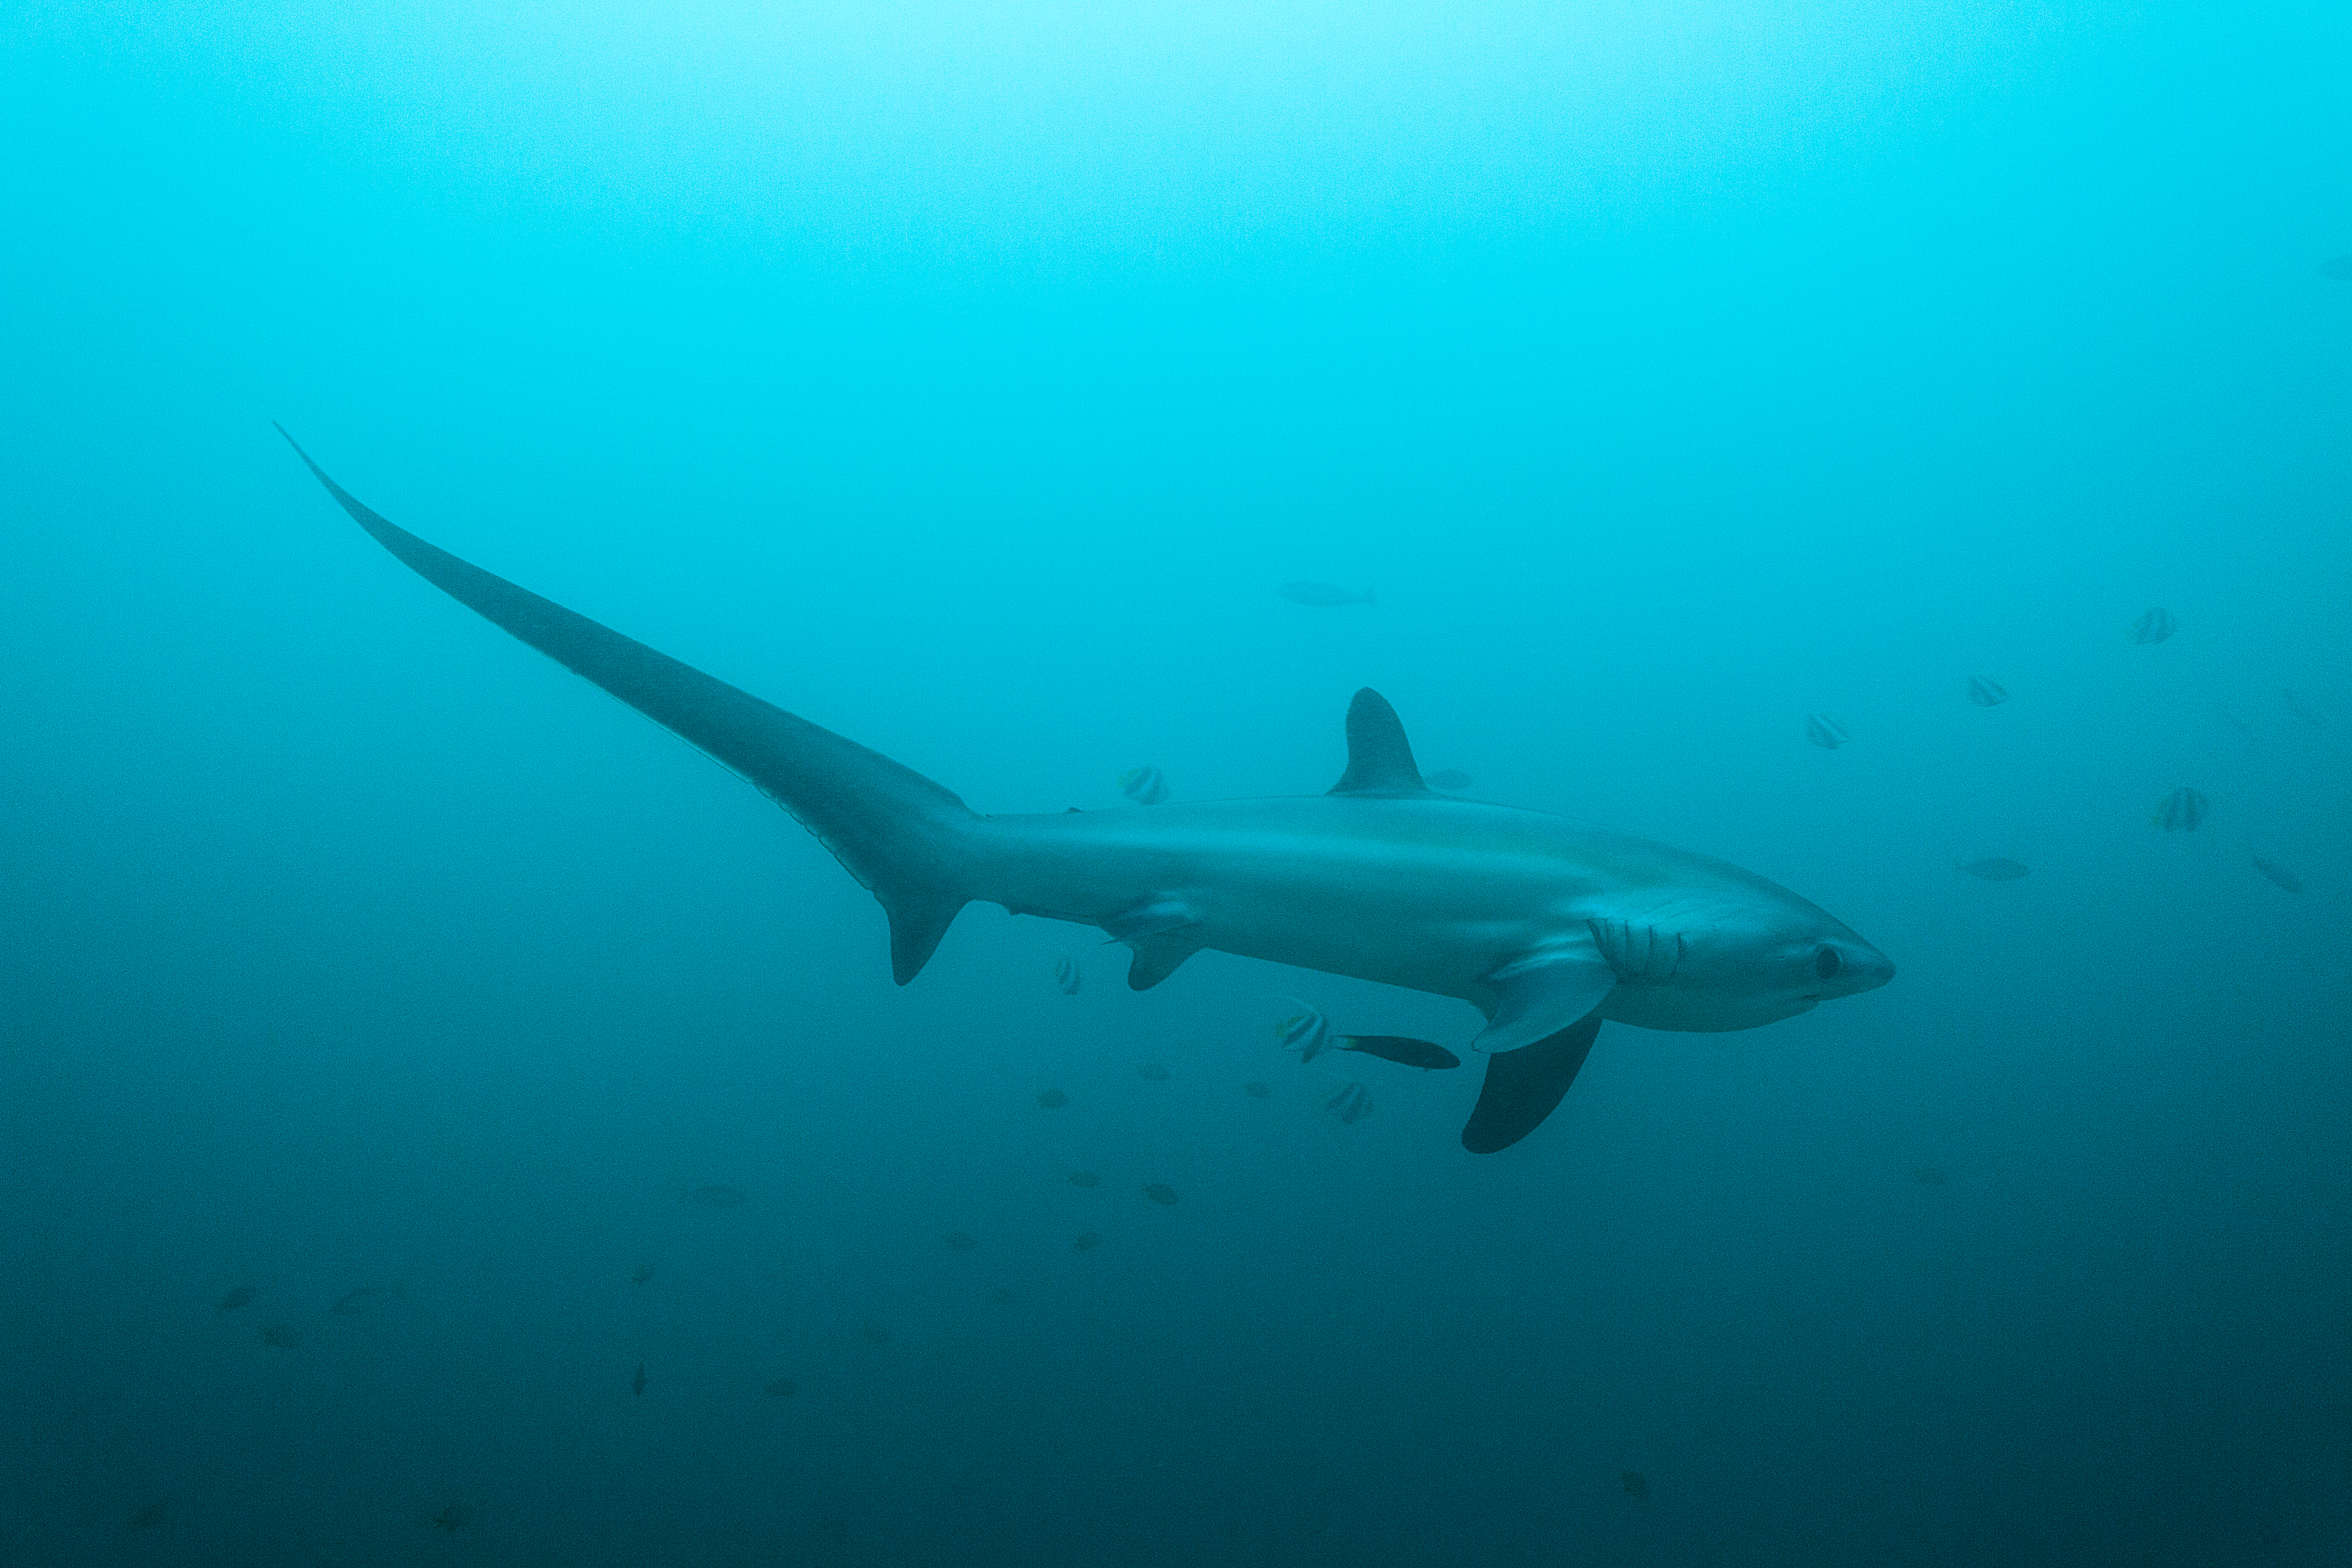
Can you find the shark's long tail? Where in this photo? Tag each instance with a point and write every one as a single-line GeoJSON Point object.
{"type": "Point", "coordinates": [903, 838]}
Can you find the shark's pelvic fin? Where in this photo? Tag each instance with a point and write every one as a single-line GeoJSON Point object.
{"type": "Point", "coordinates": [1540, 995]}
{"type": "Point", "coordinates": [1157, 957]}
{"type": "Point", "coordinates": [1379, 758]}
{"type": "Point", "coordinates": [1162, 932]}
{"type": "Point", "coordinates": [1523, 1086]}
{"type": "Point", "coordinates": [901, 835]}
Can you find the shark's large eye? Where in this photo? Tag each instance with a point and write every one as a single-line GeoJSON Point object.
{"type": "Point", "coordinates": [1826, 963]}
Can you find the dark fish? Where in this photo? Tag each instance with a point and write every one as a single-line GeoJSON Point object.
{"type": "Point", "coordinates": [875, 1334]}
{"type": "Point", "coordinates": [2278, 874]}
{"type": "Point", "coordinates": [1992, 869]}
{"type": "Point", "coordinates": [1089, 1239]}
{"type": "Point", "coordinates": [285, 1336]}
{"type": "Point", "coordinates": [1145, 786]}
{"type": "Point", "coordinates": [1306, 1031]}
{"type": "Point", "coordinates": [2153, 627]}
{"type": "Point", "coordinates": [1825, 731]}
{"type": "Point", "coordinates": [2295, 706]}
{"type": "Point", "coordinates": [1066, 978]}
{"type": "Point", "coordinates": [457, 1516]}
{"type": "Point", "coordinates": [638, 1383]}
{"type": "Point", "coordinates": [241, 1296]}
{"type": "Point", "coordinates": [2340, 269]}
{"type": "Point", "coordinates": [1052, 1098]}
{"type": "Point", "coordinates": [367, 1299]}
{"type": "Point", "coordinates": [1323, 595]}
{"type": "Point", "coordinates": [999, 1297]}
{"type": "Point", "coordinates": [1424, 1054]}
{"type": "Point", "coordinates": [2181, 810]}
{"type": "Point", "coordinates": [1929, 1176]}
{"type": "Point", "coordinates": [1084, 1179]}
{"type": "Point", "coordinates": [1448, 778]}
{"type": "Point", "coordinates": [1257, 1091]}
{"type": "Point", "coordinates": [714, 1197]}
{"type": "Point", "coordinates": [1349, 1103]}
{"type": "Point", "coordinates": [641, 1273]}
{"type": "Point", "coordinates": [1159, 1192]}
{"type": "Point", "coordinates": [1636, 1484]}
{"type": "Point", "coordinates": [2240, 725]}
{"type": "Point", "coordinates": [1152, 1072]}
{"type": "Point", "coordinates": [962, 1241]}
{"type": "Point", "coordinates": [151, 1516]}
{"type": "Point", "coordinates": [1987, 693]}
{"type": "Point", "coordinates": [780, 1388]}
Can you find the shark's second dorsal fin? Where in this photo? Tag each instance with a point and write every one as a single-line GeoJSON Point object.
{"type": "Point", "coordinates": [1379, 758]}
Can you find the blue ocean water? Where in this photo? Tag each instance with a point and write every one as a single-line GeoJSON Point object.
{"type": "Point", "coordinates": [380, 1002]}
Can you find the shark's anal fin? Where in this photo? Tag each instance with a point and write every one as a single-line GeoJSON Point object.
{"type": "Point", "coordinates": [1379, 758]}
{"type": "Point", "coordinates": [1163, 933]}
{"type": "Point", "coordinates": [1538, 995]}
{"type": "Point", "coordinates": [1523, 1086]}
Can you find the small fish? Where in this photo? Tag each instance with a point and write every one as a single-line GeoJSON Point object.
{"type": "Point", "coordinates": [241, 1296]}
{"type": "Point", "coordinates": [1349, 1103]}
{"type": "Point", "coordinates": [2340, 268]}
{"type": "Point", "coordinates": [1145, 786]}
{"type": "Point", "coordinates": [367, 1299]}
{"type": "Point", "coordinates": [1066, 978]}
{"type": "Point", "coordinates": [875, 1334]}
{"type": "Point", "coordinates": [2278, 874]}
{"type": "Point", "coordinates": [962, 1241]}
{"type": "Point", "coordinates": [2153, 627]}
{"type": "Point", "coordinates": [284, 1336]}
{"type": "Point", "coordinates": [1159, 1192]}
{"type": "Point", "coordinates": [1052, 1098]}
{"type": "Point", "coordinates": [457, 1516]}
{"type": "Point", "coordinates": [1992, 869]}
{"type": "Point", "coordinates": [1929, 1176]}
{"type": "Point", "coordinates": [1151, 1072]}
{"type": "Point", "coordinates": [1448, 779]}
{"type": "Point", "coordinates": [1257, 1091]}
{"type": "Point", "coordinates": [714, 1197]}
{"type": "Point", "coordinates": [1306, 1031]}
{"type": "Point", "coordinates": [1636, 1484]}
{"type": "Point", "coordinates": [1087, 1240]}
{"type": "Point", "coordinates": [2240, 725]}
{"type": "Point", "coordinates": [1825, 731]}
{"type": "Point", "coordinates": [151, 1516]}
{"type": "Point", "coordinates": [641, 1273]}
{"type": "Point", "coordinates": [638, 1383]}
{"type": "Point", "coordinates": [2180, 810]}
{"type": "Point", "coordinates": [2295, 706]}
{"type": "Point", "coordinates": [1084, 1179]}
{"type": "Point", "coordinates": [1323, 595]}
{"type": "Point", "coordinates": [1427, 1054]}
{"type": "Point", "coordinates": [780, 1388]}
{"type": "Point", "coordinates": [1987, 693]}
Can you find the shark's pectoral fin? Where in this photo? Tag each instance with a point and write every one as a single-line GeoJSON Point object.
{"type": "Point", "coordinates": [1540, 995]}
{"type": "Point", "coordinates": [1163, 932]}
{"type": "Point", "coordinates": [1523, 1086]}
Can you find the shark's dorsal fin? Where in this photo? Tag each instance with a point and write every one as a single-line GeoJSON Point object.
{"type": "Point", "coordinates": [1379, 758]}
